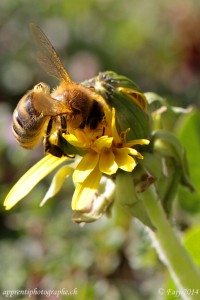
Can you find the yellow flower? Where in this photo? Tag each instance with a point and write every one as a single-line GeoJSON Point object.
{"type": "Point", "coordinates": [106, 152]}
{"type": "Point", "coordinates": [105, 155]}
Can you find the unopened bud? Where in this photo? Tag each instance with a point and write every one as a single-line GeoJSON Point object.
{"type": "Point", "coordinates": [129, 102]}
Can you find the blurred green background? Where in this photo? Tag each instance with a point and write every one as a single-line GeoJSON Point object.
{"type": "Point", "coordinates": [155, 43]}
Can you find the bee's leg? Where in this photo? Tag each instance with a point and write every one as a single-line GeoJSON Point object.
{"type": "Point", "coordinates": [52, 149]}
{"type": "Point", "coordinates": [48, 146]}
{"type": "Point", "coordinates": [63, 123]}
{"type": "Point", "coordinates": [62, 144]}
{"type": "Point", "coordinates": [59, 147]}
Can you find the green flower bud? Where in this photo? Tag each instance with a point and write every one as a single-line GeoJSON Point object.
{"type": "Point", "coordinates": [129, 102]}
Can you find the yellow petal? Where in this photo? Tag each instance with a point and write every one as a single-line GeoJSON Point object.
{"type": "Point", "coordinates": [78, 138]}
{"type": "Point", "coordinates": [57, 183]}
{"type": "Point", "coordinates": [107, 162]}
{"type": "Point", "coordinates": [124, 160]}
{"type": "Point", "coordinates": [73, 140]}
{"type": "Point", "coordinates": [27, 182]}
{"type": "Point", "coordinates": [86, 166]}
{"type": "Point", "coordinates": [115, 134]}
{"type": "Point", "coordinates": [137, 142]}
{"type": "Point", "coordinates": [134, 152]}
{"type": "Point", "coordinates": [103, 142]}
{"type": "Point", "coordinates": [85, 191]}
{"type": "Point", "coordinates": [100, 201]}
{"type": "Point", "coordinates": [136, 96]}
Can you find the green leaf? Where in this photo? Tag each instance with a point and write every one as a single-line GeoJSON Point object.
{"type": "Point", "coordinates": [189, 135]}
{"type": "Point", "coordinates": [188, 132]}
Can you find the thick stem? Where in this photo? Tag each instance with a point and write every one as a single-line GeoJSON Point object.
{"type": "Point", "coordinates": [170, 250]}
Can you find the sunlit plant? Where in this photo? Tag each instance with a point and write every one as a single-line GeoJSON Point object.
{"type": "Point", "coordinates": [110, 138]}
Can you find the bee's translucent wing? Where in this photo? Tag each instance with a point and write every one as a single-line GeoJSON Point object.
{"type": "Point", "coordinates": [47, 56]}
{"type": "Point", "coordinates": [49, 106]}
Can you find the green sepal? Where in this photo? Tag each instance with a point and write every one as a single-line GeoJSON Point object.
{"type": "Point", "coordinates": [169, 146]}
{"type": "Point", "coordinates": [155, 101]}
{"type": "Point", "coordinates": [164, 116]}
{"type": "Point", "coordinates": [126, 197]}
{"type": "Point", "coordinates": [164, 175]}
{"type": "Point", "coordinates": [122, 93]}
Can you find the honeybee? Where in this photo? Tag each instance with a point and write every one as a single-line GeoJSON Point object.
{"type": "Point", "coordinates": [44, 114]}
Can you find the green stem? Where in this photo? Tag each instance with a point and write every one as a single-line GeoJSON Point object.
{"type": "Point", "coordinates": [170, 250]}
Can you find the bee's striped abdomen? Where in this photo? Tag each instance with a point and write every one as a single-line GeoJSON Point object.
{"type": "Point", "coordinates": [27, 123]}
